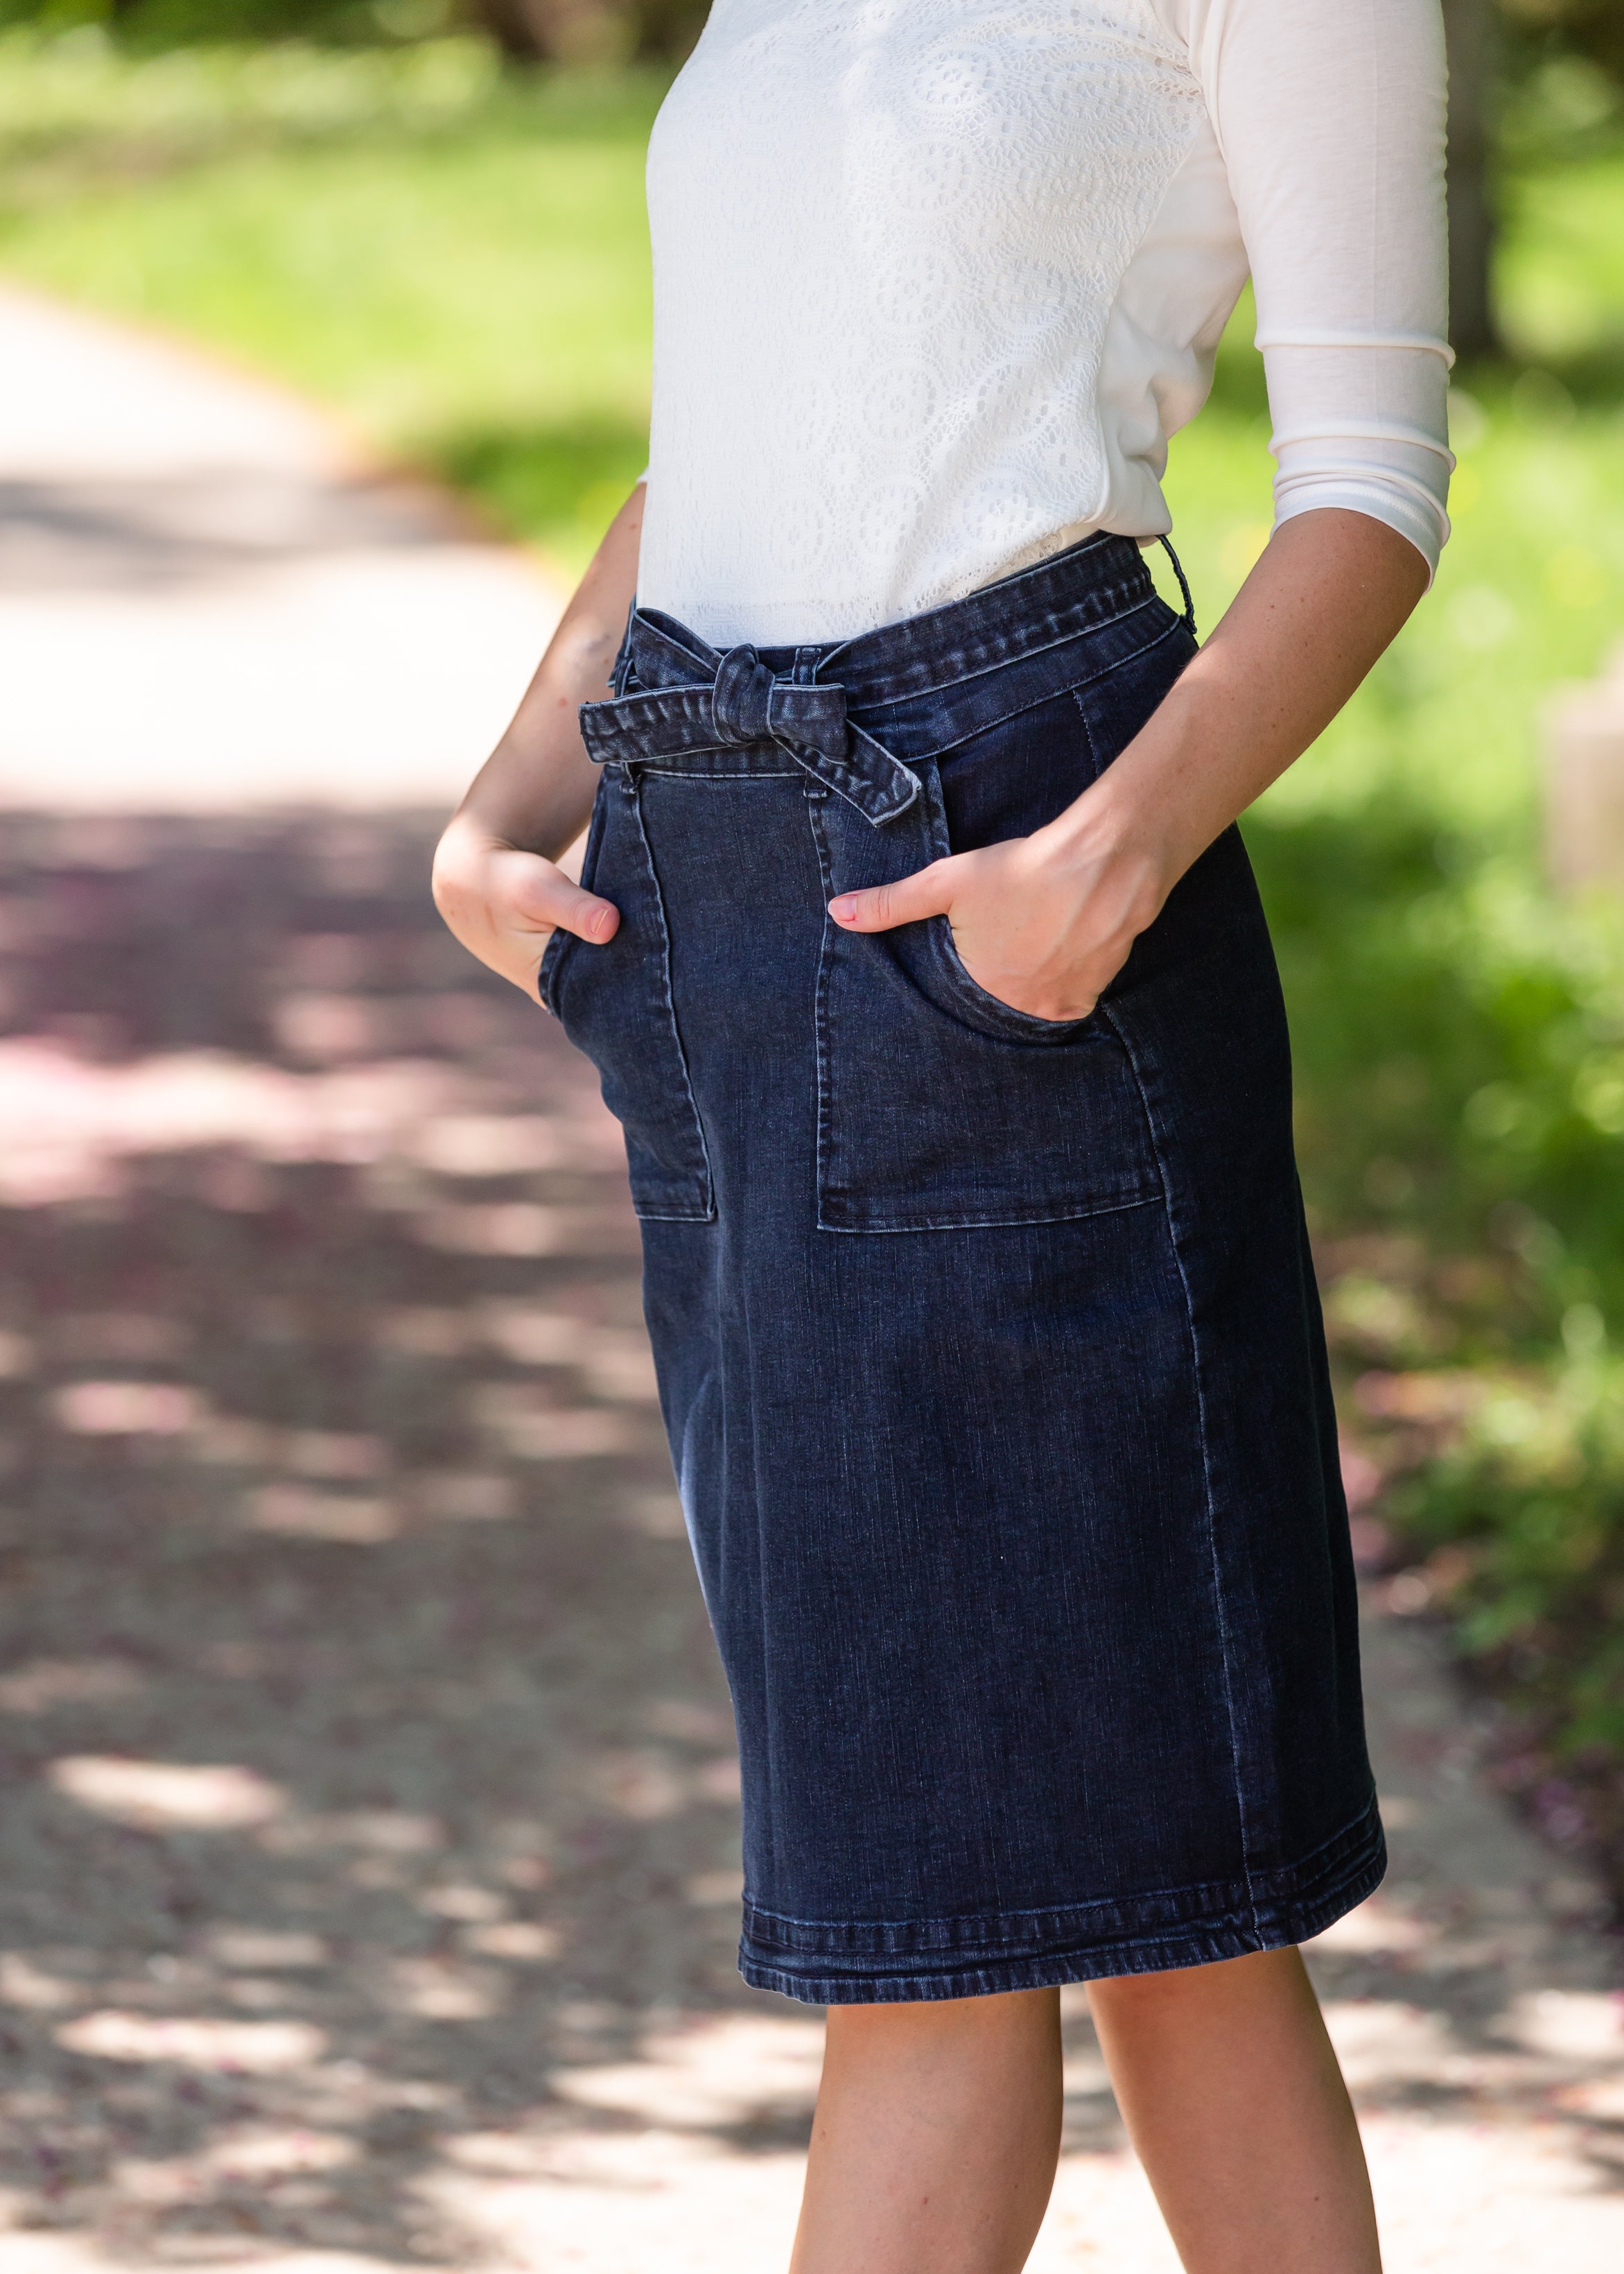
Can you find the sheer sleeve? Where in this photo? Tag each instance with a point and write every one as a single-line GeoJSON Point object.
{"type": "Point", "coordinates": [1330, 115]}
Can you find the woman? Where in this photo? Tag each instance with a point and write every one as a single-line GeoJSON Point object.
{"type": "Point", "coordinates": [921, 961]}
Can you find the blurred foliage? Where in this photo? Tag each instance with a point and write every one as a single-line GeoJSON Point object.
{"type": "Point", "coordinates": [456, 254]}
{"type": "Point", "coordinates": [150, 25]}
{"type": "Point", "coordinates": [559, 31]}
{"type": "Point", "coordinates": [1458, 1029]}
{"type": "Point", "coordinates": [1530, 32]}
{"type": "Point", "coordinates": [1521, 1506]}
{"type": "Point", "coordinates": [1539, 29]}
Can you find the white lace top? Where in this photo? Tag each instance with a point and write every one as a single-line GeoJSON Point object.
{"type": "Point", "coordinates": [936, 280]}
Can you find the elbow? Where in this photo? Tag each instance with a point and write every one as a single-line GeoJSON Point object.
{"type": "Point", "coordinates": [1415, 511]}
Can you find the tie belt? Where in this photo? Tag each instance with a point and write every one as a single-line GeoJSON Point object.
{"type": "Point", "coordinates": [744, 705]}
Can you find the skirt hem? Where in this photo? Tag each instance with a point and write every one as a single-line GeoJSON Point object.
{"type": "Point", "coordinates": [825, 1962]}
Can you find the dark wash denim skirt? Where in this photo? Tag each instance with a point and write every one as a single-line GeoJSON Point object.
{"type": "Point", "coordinates": [989, 1346]}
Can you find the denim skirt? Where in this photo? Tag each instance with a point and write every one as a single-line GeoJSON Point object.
{"type": "Point", "coordinates": [989, 1346]}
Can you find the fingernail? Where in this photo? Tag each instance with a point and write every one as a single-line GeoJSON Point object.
{"type": "Point", "coordinates": [844, 909]}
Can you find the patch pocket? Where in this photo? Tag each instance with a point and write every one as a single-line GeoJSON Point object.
{"type": "Point", "coordinates": [941, 1108]}
{"type": "Point", "coordinates": [614, 1004]}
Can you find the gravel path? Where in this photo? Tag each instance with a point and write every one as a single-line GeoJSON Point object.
{"type": "Point", "coordinates": [211, 599]}
{"type": "Point", "coordinates": [368, 1853]}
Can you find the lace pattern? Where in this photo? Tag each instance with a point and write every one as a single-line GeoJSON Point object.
{"type": "Point", "coordinates": [887, 240]}
{"type": "Point", "coordinates": [934, 280]}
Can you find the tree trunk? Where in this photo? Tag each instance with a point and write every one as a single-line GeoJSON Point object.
{"type": "Point", "coordinates": [520, 28]}
{"type": "Point", "coordinates": [667, 29]}
{"type": "Point", "coordinates": [1469, 30]}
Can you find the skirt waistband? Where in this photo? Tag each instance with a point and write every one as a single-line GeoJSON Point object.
{"type": "Point", "coordinates": [679, 703]}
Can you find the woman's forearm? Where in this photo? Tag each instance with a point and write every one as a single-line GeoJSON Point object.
{"type": "Point", "coordinates": [497, 882]}
{"type": "Point", "coordinates": [1325, 598]}
{"type": "Point", "coordinates": [536, 789]}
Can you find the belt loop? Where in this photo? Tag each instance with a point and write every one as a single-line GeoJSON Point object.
{"type": "Point", "coordinates": [1183, 586]}
{"type": "Point", "coordinates": [805, 671]}
{"type": "Point", "coordinates": [621, 669]}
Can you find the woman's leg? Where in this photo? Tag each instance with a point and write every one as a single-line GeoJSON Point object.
{"type": "Point", "coordinates": [935, 2141]}
{"type": "Point", "coordinates": [939, 2125]}
{"type": "Point", "coordinates": [1232, 2096]}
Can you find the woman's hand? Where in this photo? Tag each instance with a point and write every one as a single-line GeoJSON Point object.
{"type": "Point", "coordinates": [1043, 923]}
{"type": "Point", "coordinates": [501, 895]}
{"type": "Point", "coordinates": [504, 903]}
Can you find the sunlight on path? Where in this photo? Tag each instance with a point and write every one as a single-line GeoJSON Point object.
{"type": "Point", "coordinates": [209, 601]}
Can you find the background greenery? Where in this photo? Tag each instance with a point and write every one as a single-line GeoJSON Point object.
{"type": "Point", "coordinates": [453, 251]}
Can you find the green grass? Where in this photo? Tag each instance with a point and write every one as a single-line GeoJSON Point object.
{"type": "Point", "coordinates": [1457, 1028]}
{"type": "Point", "coordinates": [459, 261]}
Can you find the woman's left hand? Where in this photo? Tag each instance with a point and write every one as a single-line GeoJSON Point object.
{"type": "Point", "coordinates": [1043, 923]}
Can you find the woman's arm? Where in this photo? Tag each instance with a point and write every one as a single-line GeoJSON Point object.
{"type": "Point", "coordinates": [497, 882]}
{"type": "Point", "coordinates": [1045, 922]}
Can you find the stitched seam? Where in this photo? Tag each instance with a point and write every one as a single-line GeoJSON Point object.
{"type": "Point", "coordinates": [555, 953]}
{"type": "Point", "coordinates": [851, 782]}
{"type": "Point", "coordinates": [983, 1012]}
{"type": "Point", "coordinates": [1010, 651]}
{"type": "Point", "coordinates": [665, 772]}
{"type": "Point", "coordinates": [1210, 1935]}
{"type": "Point", "coordinates": [707, 1213]}
{"type": "Point", "coordinates": [1220, 1607]}
{"type": "Point", "coordinates": [1346, 1836]}
{"type": "Point", "coordinates": [855, 1204]}
{"type": "Point", "coordinates": [1190, 1942]}
{"type": "Point", "coordinates": [1069, 638]}
{"type": "Point", "coordinates": [1090, 679]}
{"type": "Point", "coordinates": [552, 962]}
{"type": "Point", "coordinates": [823, 1076]}
{"type": "Point", "coordinates": [1098, 764]}
{"type": "Point", "coordinates": [1024, 1028]}
{"type": "Point", "coordinates": [858, 788]}
{"type": "Point", "coordinates": [1103, 603]}
{"type": "Point", "coordinates": [1066, 1215]}
{"type": "Point", "coordinates": [999, 651]}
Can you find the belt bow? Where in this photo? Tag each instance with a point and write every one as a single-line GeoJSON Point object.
{"type": "Point", "coordinates": [750, 705]}
{"type": "Point", "coordinates": [745, 703]}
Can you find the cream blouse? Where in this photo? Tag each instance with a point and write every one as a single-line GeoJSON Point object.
{"type": "Point", "coordinates": [936, 280]}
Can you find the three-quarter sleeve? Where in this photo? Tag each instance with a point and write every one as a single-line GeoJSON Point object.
{"type": "Point", "coordinates": [1330, 115]}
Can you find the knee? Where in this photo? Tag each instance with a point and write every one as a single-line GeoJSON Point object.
{"type": "Point", "coordinates": [1227, 1983]}
{"type": "Point", "coordinates": [943, 2021]}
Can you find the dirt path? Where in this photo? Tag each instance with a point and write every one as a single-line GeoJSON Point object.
{"type": "Point", "coordinates": [368, 1852]}
{"type": "Point", "coordinates": [209, 599]}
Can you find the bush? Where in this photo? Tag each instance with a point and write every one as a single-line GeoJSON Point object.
{"type": "Point", "coordinates": [561, 31]}
{"type": "Point", "coordinates": [185, 23]}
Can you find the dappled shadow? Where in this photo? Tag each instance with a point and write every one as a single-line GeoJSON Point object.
{"type": "Point", "coordinates": [367, 1761]}
{"type": "Point", "coordinates": [369, 1842]}
{"type": "Point", "coordinates": [185, 530]}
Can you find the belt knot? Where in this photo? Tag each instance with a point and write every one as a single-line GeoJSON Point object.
{"type": "Point", "coordinates": [749, 705]}
{"type": "Point", "coordinates": [737, 702]}
{"type": "Point", "coordinates": [741, 699]}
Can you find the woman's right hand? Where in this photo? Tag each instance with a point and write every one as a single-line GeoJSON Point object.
{"type": "Point", "coordinates": [504, 905]}
{"type": "Point", "coordinates": [537, 788]}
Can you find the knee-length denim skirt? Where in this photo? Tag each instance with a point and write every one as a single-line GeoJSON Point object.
{"type": "Point", "coordinates": [989, 1346]}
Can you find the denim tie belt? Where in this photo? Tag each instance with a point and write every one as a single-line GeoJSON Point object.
{"type": "Point", "coordinates": [744, 705]}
